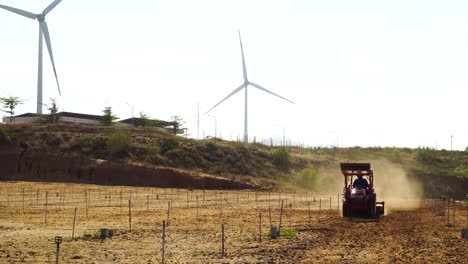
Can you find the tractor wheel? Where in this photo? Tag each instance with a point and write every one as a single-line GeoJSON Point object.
{"type": "Point", "coordinates": [345, 211]}
{"type": "Point", "coordinates": [372, 210]}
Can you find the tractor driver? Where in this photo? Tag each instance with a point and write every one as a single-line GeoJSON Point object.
{"type": "Point", "coordinates": [360, 182]}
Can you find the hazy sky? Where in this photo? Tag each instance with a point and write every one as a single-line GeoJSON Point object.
{"type": "Point", "coordinates": [367, 73]}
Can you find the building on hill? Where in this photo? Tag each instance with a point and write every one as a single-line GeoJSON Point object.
{"type": "Point", "coordinates": [141, 122]}
{"type": "Point", "coordinates": [27, 117]}
{"type": "Point", "coordinates": [64, 117]}
{"type": "Point", "coordinates": [78, 118]}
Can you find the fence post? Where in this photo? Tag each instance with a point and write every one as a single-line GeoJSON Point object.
{"type": "Point", "coordinates": [308, 212]}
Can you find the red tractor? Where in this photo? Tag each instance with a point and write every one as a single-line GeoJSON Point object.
{"type": "Point", "coordinates": [359, 195]}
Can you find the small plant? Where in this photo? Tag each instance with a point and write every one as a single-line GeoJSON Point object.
{"type": "Point", "coordinates": [196, 254]}
{"type": "Point", "coordinates": [190, 188]}
{"type": "Point", "coordinates": [287, 233]}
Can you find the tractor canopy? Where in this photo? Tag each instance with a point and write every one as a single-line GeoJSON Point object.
{"type": "Point", "coordinates": [355, 166]}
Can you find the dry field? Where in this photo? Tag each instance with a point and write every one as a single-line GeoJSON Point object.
{"type": "Point", "coordinates": [28, 228]}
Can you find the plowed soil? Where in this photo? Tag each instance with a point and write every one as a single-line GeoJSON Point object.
{"type": "Point", "coordinates": [27, 229]}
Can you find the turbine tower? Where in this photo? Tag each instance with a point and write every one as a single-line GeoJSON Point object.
{"type": "Point", "coordinates": [244, 86]}
{"type": "Point", "coordinates": [43, 34]}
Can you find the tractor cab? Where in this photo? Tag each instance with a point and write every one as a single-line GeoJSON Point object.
{"type": "Point", "coordinates": [358, 191]}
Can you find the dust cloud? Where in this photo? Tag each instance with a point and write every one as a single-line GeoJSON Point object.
{"type": "Point", "coordinates": [393, 185]}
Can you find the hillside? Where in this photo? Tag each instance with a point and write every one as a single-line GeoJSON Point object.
{"type": "Point", "coordinates": [423, 171]}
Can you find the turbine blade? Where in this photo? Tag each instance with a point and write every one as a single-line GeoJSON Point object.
{"type": "Point", "coordinates": [270, 92]}
{"type": "Point", "coordinates": [19, 12]}
{"type": "Point", "coordinates": [45, 31]}
{"type": "Point", "coordinates": [231, 94]}
{"type": "Point", "coordinates": [244, 69]}
{"type": "Point", "coordinates": [50, 7]}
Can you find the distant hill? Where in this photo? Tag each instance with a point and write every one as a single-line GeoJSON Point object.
{"type": "Point", "coordinates": [435, 172]}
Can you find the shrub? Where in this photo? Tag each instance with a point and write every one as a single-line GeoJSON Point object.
{"type": "Point", "coordinates": [425, 154]}
{"type": "Point", "coordinates": [395, 155]}
{"type": "Point", "coordinates": [167, 144]}
{"type": "Point", "coordinates": [282, 159]}
{"type": "Point", "coordinates": [119, 143]}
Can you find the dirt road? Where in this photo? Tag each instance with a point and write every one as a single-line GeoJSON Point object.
{"type": "Point", "coordinates": [194, 232]}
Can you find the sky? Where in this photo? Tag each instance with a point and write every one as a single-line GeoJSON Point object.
{"type": "Point", "coordinates": [361, 73]}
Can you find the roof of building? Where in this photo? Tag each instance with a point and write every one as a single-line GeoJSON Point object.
{"type": "Point", "coordinates": [29, 115]}
{"type": "Point", "coordinates": [79, 115]}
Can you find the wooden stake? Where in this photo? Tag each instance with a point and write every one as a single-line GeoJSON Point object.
{"type": "Point", "coordinates": [22, 191]}
{"type": "Point", "coordinates": [196, 196]}
{"type": "Point", "coordinates": [222, 239]}
{"type": "Point", "coordinates": [281, 217]}
{"type": "Point", "coordinates": [163, 241]}
{"type": "Point", "coordinates": [308, 212]}
{"type": "Point", "coordinates": [168, 210]}
{"type": "Point", "coordinates": [330, 203]}
{"type": "Point", "coordinates": [290, 216]}
{"type": "Point", "coordinates": [74, 222]}
{"type": "Point", "coordinates": [260, 227]}
{"type": "Point", "coordinates": [130, 214]}
{"type": "Point", "coordinates": [121, 207]}
{"type": "Point", "coordinates": [269, 216]}
{"type": "Point", "coordinates": [46, 201]}
{"type": "Point", "coordinates": [147, 202]}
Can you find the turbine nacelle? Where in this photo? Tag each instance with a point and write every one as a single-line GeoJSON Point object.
{"type": "Point", "coordinates": [40, 17]}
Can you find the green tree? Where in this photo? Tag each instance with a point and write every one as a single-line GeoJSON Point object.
{"type": "Point", "coordinates": [53, 108]}
{"type": "Point", "coordinates": [143, 121]}
{"type": "Point", "coordinates": [466, 149]}
{"type": "Point", "coordinates": [177, 122]}
{"type": "Point", "coordinates": [108, 116]}
{"type": "Point", "coordinates": [282, 159]}
{"type": "Point", "coordinates": [10, 103]}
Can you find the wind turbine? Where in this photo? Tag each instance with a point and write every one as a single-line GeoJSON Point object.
{"type": "Point", "coordinates": [43, 33]}
{"type": "Point", "coordinates": [244, 86]}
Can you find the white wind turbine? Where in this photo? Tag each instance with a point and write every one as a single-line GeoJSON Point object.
{"type": "Point", "coordinates": [43, 33]}
{"type": "Point", "coordinates": [244, 85]}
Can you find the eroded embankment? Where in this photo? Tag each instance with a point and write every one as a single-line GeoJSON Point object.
{"type": "Point", "coordinates": [21, 163]}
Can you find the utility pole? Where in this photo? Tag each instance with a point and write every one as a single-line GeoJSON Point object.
{"type": "Point", "coordinates": [198, 121]}
{"type": "Point", "coordinates": [451, 152]}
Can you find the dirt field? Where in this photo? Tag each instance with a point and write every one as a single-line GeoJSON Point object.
{"type": "Point", "coordinates": [417, 236]}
